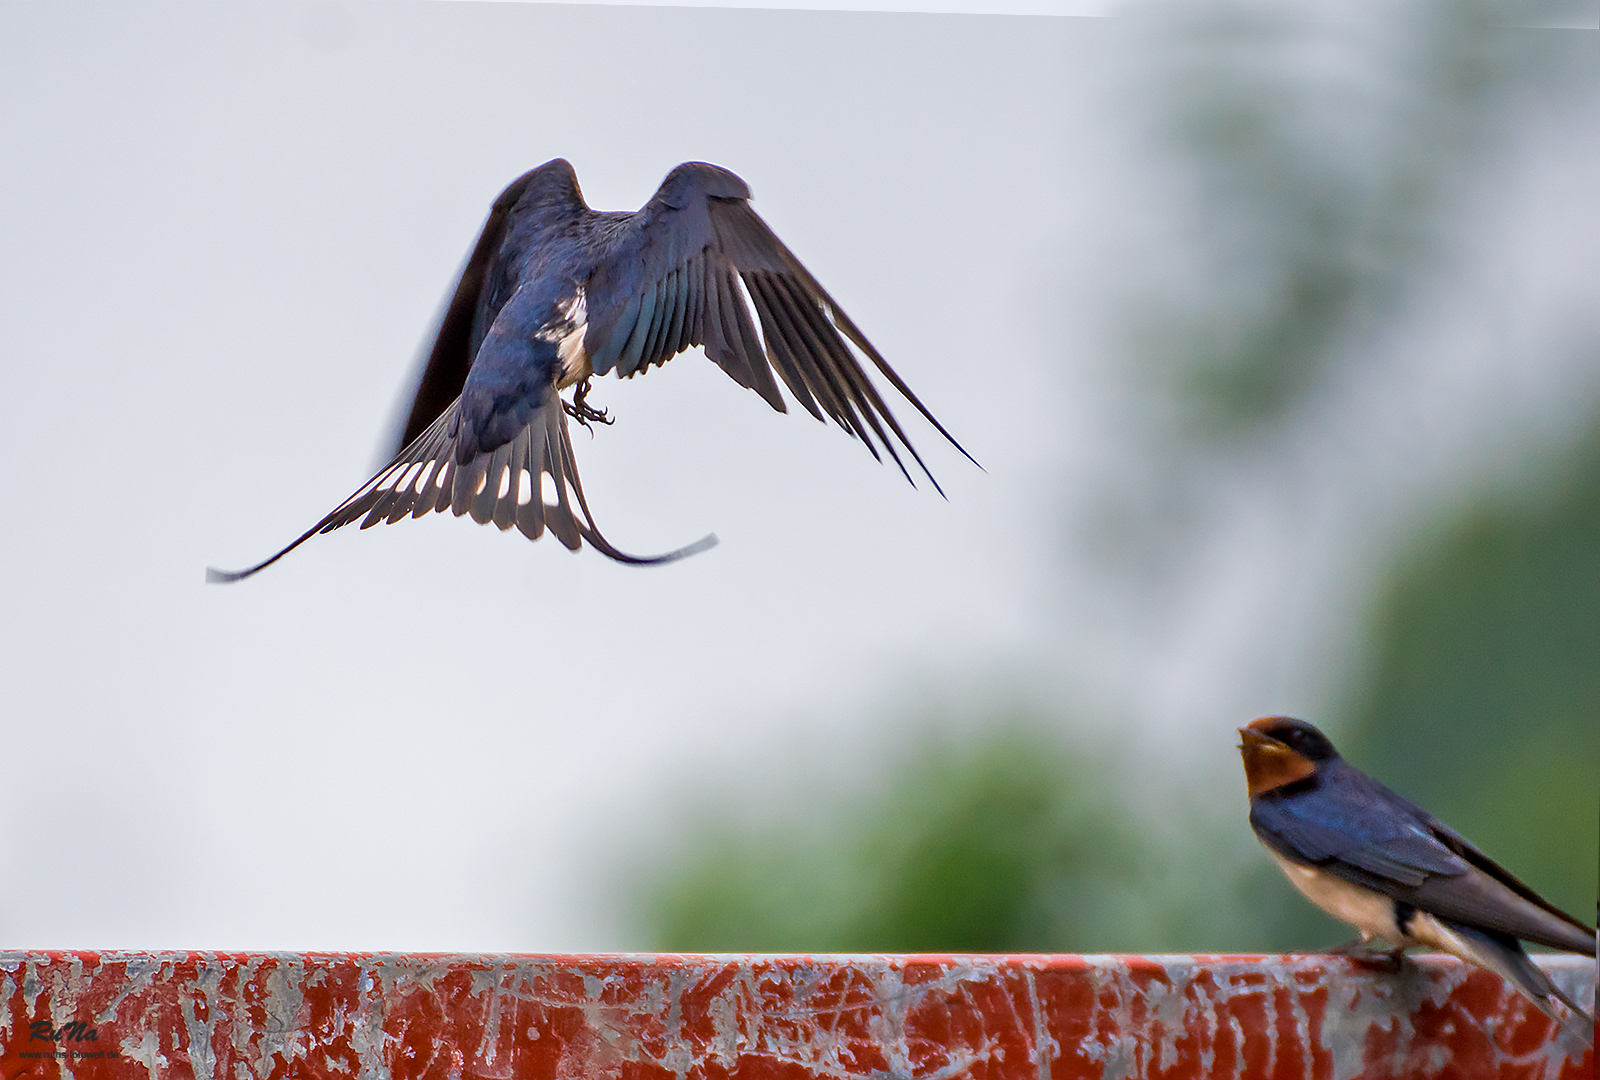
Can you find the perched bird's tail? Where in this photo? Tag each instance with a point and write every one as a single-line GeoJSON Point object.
{"type": "Point", "coordinates": [1503, 955]}
{"type": "Point", "coordinates": [530, 482]}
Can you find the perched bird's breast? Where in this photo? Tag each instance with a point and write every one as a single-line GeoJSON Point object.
{"type": "Point", "coordinates": [1370, 912]}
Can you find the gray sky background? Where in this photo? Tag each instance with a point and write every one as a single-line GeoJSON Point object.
{"type": "Point", "coordinates": [226, 231]}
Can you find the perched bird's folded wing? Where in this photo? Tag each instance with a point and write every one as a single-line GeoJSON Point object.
{"type": "Point", "coordinates": [1296, 837]}
{"type": "Point", "coordinates": [1485, 898]}
{"type": "Point", "coordinates": [1356, 823]}
{"type": "Point", "coordinates": [697, 266]}
{"type": "Point", "coordinates": [530, 482]}
{"type": "Point", "coordinates": [1406, 860]}
{"type": "Point", "coordinates": [1369, 836]}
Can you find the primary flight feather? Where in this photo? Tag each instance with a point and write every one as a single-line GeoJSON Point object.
{"type": "Point", "coordinates": [556, 293]}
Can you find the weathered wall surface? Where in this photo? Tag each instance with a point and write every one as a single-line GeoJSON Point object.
{"type": "Point", "coordinates": [166, 1016]}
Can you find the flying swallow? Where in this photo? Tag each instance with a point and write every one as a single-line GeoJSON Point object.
{"type": "Point", "coordinates": [1399, 875]}
{"type": "Point", "coordinates": [554, 294]}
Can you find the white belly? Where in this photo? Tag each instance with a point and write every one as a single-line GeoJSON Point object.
{"type": "Point", "coordinates": [1369, 912]}
{"type": "Point", "coordinates": [1373, 914]}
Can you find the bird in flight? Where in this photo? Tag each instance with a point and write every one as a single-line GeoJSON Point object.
{"type": "Point", "coordinates": [555, 294]}
{"type": "Point", "coordinates": [1399, 875]}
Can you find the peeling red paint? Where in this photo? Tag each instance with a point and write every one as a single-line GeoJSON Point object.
{"type": "Point", "coordinates": [173, 1016]}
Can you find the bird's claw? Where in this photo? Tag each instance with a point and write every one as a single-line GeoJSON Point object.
{"type": "Point", "coordinates": [584, 413]}
{"type": "Point", "coordinates": [1361, 951]}
{"type": "Point", "coordinates": [1389, 963]}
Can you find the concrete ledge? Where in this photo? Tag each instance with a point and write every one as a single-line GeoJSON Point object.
{"type": "Point", "coordinates": [627, 1017]}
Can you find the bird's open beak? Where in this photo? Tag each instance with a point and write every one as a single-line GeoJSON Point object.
{"type": "Point", "coordinates": [1251, 739]}
{"type": "Point", "coordinates": [1269, 763]}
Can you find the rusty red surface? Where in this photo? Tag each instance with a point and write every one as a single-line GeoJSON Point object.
{"type": "Point", "coordinates": [241, 1016]}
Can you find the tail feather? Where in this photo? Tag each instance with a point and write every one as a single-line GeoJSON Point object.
{"type": "Point", "coordinates": [530, 483]}
{"type": "Point", "coordinates": [1503, 955]}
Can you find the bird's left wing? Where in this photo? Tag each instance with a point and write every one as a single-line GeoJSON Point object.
{"type": "Point", "coordinates": [697, 266]}
{"type": "Point", "coordinates": [450, 355]}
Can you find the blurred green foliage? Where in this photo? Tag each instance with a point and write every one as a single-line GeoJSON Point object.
{"type": "Point", "coordinates": [1330, 153]}
{"type": "Point", "coordinates": [1017, 839]}
{"type": "Point", "coordinates": [1483, 705]}
{"type": "Point", "coordinates": [1484, 700]}
{"type": "Point", "coordinates": [1323, 200]}
{"type": "Point", "coordinates": [1008, 843]}
{"type": "Point", "coordinates": [1482, 693]}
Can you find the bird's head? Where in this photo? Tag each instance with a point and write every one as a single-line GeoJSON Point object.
{"type": "Point", "coordinates": [1280, 750]}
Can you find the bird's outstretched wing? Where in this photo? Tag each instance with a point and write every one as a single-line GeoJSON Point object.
{"type": "Point", "coordinates": [697, 266]}
{"type": "Point", "coordinates": [530, 482]}
{"type": "Point", "coordinates": [1360, 831]}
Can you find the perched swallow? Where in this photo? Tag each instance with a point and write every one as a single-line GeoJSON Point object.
{"type": "Point", "coordinates": [1399, 875]}
{"type": "Point", "coordinates": [556, 293]}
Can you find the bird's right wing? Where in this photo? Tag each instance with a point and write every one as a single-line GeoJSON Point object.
{"type": "Point", "coordinates": [697, 266]}
{"type": "Point", "coordinates": [530, 482]}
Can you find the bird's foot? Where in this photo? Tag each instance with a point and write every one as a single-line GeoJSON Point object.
{"type": "Point", "coordinates": [1389, 963]}
{"type": "Point", "coordinates": [584, 413]}
{"type": "Point", "coordinates": [1362, 952]}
